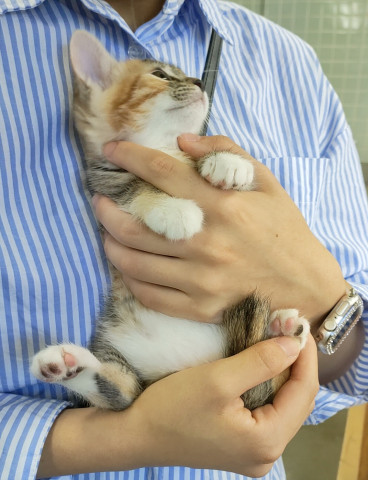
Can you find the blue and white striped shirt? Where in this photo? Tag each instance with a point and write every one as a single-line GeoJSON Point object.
{"type": "Point", "coordinates": [271, 98]}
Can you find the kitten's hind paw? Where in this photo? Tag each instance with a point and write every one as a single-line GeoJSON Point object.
{"type": "Point", "coordinates": [60, 363]}
{"type": "Point", "coordinates": [287, 322]}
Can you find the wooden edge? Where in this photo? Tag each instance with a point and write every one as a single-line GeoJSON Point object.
{"type": "Point", "coordinates": [363, 465]}
{"type": "Point", "coordinates": [353, 464]}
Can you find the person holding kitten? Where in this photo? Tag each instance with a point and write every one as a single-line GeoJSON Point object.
{"type": "Point", "coordinates": [273, 101]}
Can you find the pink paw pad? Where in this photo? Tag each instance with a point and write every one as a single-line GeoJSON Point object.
{"type": "Point", "coordinates": [54, 364]}
{"type": "Point", "coordinates": [69, 360]}
{"type": "Point", "coordinates": [50, 370]}
{"type": "Point", "coordinates": [287, 322]}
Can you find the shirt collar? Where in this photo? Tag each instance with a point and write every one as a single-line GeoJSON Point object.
{"type": "Point", "coordinates": [210, 9]}
{"type": "Point", "coordinates": [216, 18]}
{"type": "Point", "coordinates": [15, 5]}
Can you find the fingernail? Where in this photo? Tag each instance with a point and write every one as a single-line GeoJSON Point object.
{"type": "Point", "coordinates": [95, 199]}
{"type": "Point", "coordinates": [290, 345]}
{"type": "Point", "coordinates": [109, 148]}
{"type": "Point", "coordinates": [190, 137]}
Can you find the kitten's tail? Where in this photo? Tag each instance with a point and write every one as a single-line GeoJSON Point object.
{"type": "Point", "coordinates": [245, 324]}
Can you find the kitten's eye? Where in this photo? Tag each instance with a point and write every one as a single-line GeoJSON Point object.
{"type": "Point", "coordinates": [160, 74]}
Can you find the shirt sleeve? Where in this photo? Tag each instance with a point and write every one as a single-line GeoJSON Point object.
{"type": "Point", "coordinates": [342, 226]}
{"type": "Point", "coordinates": [24, 426]}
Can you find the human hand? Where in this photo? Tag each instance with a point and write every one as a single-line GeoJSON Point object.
{"type": "Point", "coordinates": [250, 240]}
{"type": "Point", "coordinates": [196, 417]}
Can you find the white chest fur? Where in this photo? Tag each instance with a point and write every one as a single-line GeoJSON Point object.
{"type": "Point", "coordinates": [157, 345]}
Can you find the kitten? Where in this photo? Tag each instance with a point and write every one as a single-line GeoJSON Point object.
{"type": "Point", "coordinates": [151, 103]}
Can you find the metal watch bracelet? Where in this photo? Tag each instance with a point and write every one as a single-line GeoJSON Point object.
{"type": "Point", "coordinates": [339, 322]}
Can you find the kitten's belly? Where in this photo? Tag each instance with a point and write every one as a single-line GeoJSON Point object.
{"type": "Point", "coordinates": [157, 345]}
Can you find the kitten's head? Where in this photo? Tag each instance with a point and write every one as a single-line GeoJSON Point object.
{"type": "Point", "coordinates": [147, 102]}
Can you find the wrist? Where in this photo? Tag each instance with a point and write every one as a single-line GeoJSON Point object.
{"type": "Point", "coordinates": [327, 286]}
{"type": "Point", "coordinates": [155, 440]}
{"type": "Point", "coordinates": [324, 302]}
{"type": "Point", "coordinates": [87, 440]}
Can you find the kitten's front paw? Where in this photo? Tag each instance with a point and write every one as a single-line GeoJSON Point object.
{"type": "Point", "coordinates": [227, 171]}
{"type": "Point", "coordinates": [176, 218]}
{"type": "Point", "coordinates": [59, 363]}
{"type": "Point", "coordinates": [287, 322]}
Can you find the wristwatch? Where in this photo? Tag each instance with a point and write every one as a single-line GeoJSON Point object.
{"type": "Point", "coordinates": [339, 322]}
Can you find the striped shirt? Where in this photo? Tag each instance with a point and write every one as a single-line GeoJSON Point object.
{"type": "Point", "coordinates": [271, 98]}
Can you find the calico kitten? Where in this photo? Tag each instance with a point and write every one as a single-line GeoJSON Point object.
{"type": "Point", "coordinates": [151, 103]}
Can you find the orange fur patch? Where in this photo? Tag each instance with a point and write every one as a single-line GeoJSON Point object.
{"type": "Point", "coordinates": [127, 97]}
{"type": "Point", "coordinates": [125, 382]}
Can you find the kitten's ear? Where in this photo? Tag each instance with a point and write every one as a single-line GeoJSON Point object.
{"type": "Point", "coordinates": [91, 63]}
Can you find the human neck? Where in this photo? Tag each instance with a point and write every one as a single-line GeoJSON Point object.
{"type": "Point", "coordinates": [137, 12]}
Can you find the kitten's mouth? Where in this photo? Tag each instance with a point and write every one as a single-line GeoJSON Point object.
{"type": "Point", "coordinates": [189, 102]}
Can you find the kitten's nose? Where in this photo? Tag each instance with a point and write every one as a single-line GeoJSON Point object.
{"type": "Point", "coordinates": [197, 82]}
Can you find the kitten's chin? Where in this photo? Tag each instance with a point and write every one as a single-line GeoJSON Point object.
{"type": "Point", "coordinates": [199, 101]}
{"type": "Point", "coordinates": [162, 128]}
{"type": "Point", "coordinates": [187, 120]}
{"type": "Point", "coordinates": [166, 133]}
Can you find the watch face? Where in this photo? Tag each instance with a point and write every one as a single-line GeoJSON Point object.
{"type": "Point", "coordinates": [339, 323]}
{"type": "Point", "coordinates": [348, 322]}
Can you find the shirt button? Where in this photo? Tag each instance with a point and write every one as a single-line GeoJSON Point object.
{"type": "Point", "coordinates": [135, 51]}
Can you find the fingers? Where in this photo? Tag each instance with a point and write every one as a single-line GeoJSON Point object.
{"type": "Point", "coordinates": [198, 146]}
{"type": "Point", "coordinates": [130, 232]}
{"type": "Point", "coordinates": [256, 364]}
{"type": "Point", "coordinates": [164, 300]}
{"type": "Point", "coordinates": [302, 386]}
{"type": "Point", "coordinates": [146, 267]}
{"type": "Point", "coordinates": [299, 391]}
{"type": "Point", "coordinates": [177, 178]}
{"type": "Point", "coordinates": [161, 170]}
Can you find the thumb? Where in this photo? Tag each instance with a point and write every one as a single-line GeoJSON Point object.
{"type": "Point", "coordinates": [198, 146]}
{"type": "Point", "coordinates": [256, 364]}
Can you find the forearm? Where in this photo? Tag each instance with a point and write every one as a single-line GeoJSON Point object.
{"type": "Point", "coordinates": [203, 425]}
{"type": "Point", "coordinates": [89, 440]}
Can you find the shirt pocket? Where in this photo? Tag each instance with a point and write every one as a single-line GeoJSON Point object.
{"type": "Point", "coordinates": [304, 179]}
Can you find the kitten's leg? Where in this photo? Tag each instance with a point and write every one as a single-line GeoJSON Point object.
{"type": "Point", "coordinates": [103, 384]}
{"type": "Point", "coordinates": [250, 322]}
{"type": "Point", "coordinates": [227, 171]}
{"type": "Point", "coordinates": [287, 322]}
{"type": "Point", "coordinates": [175, 218]}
